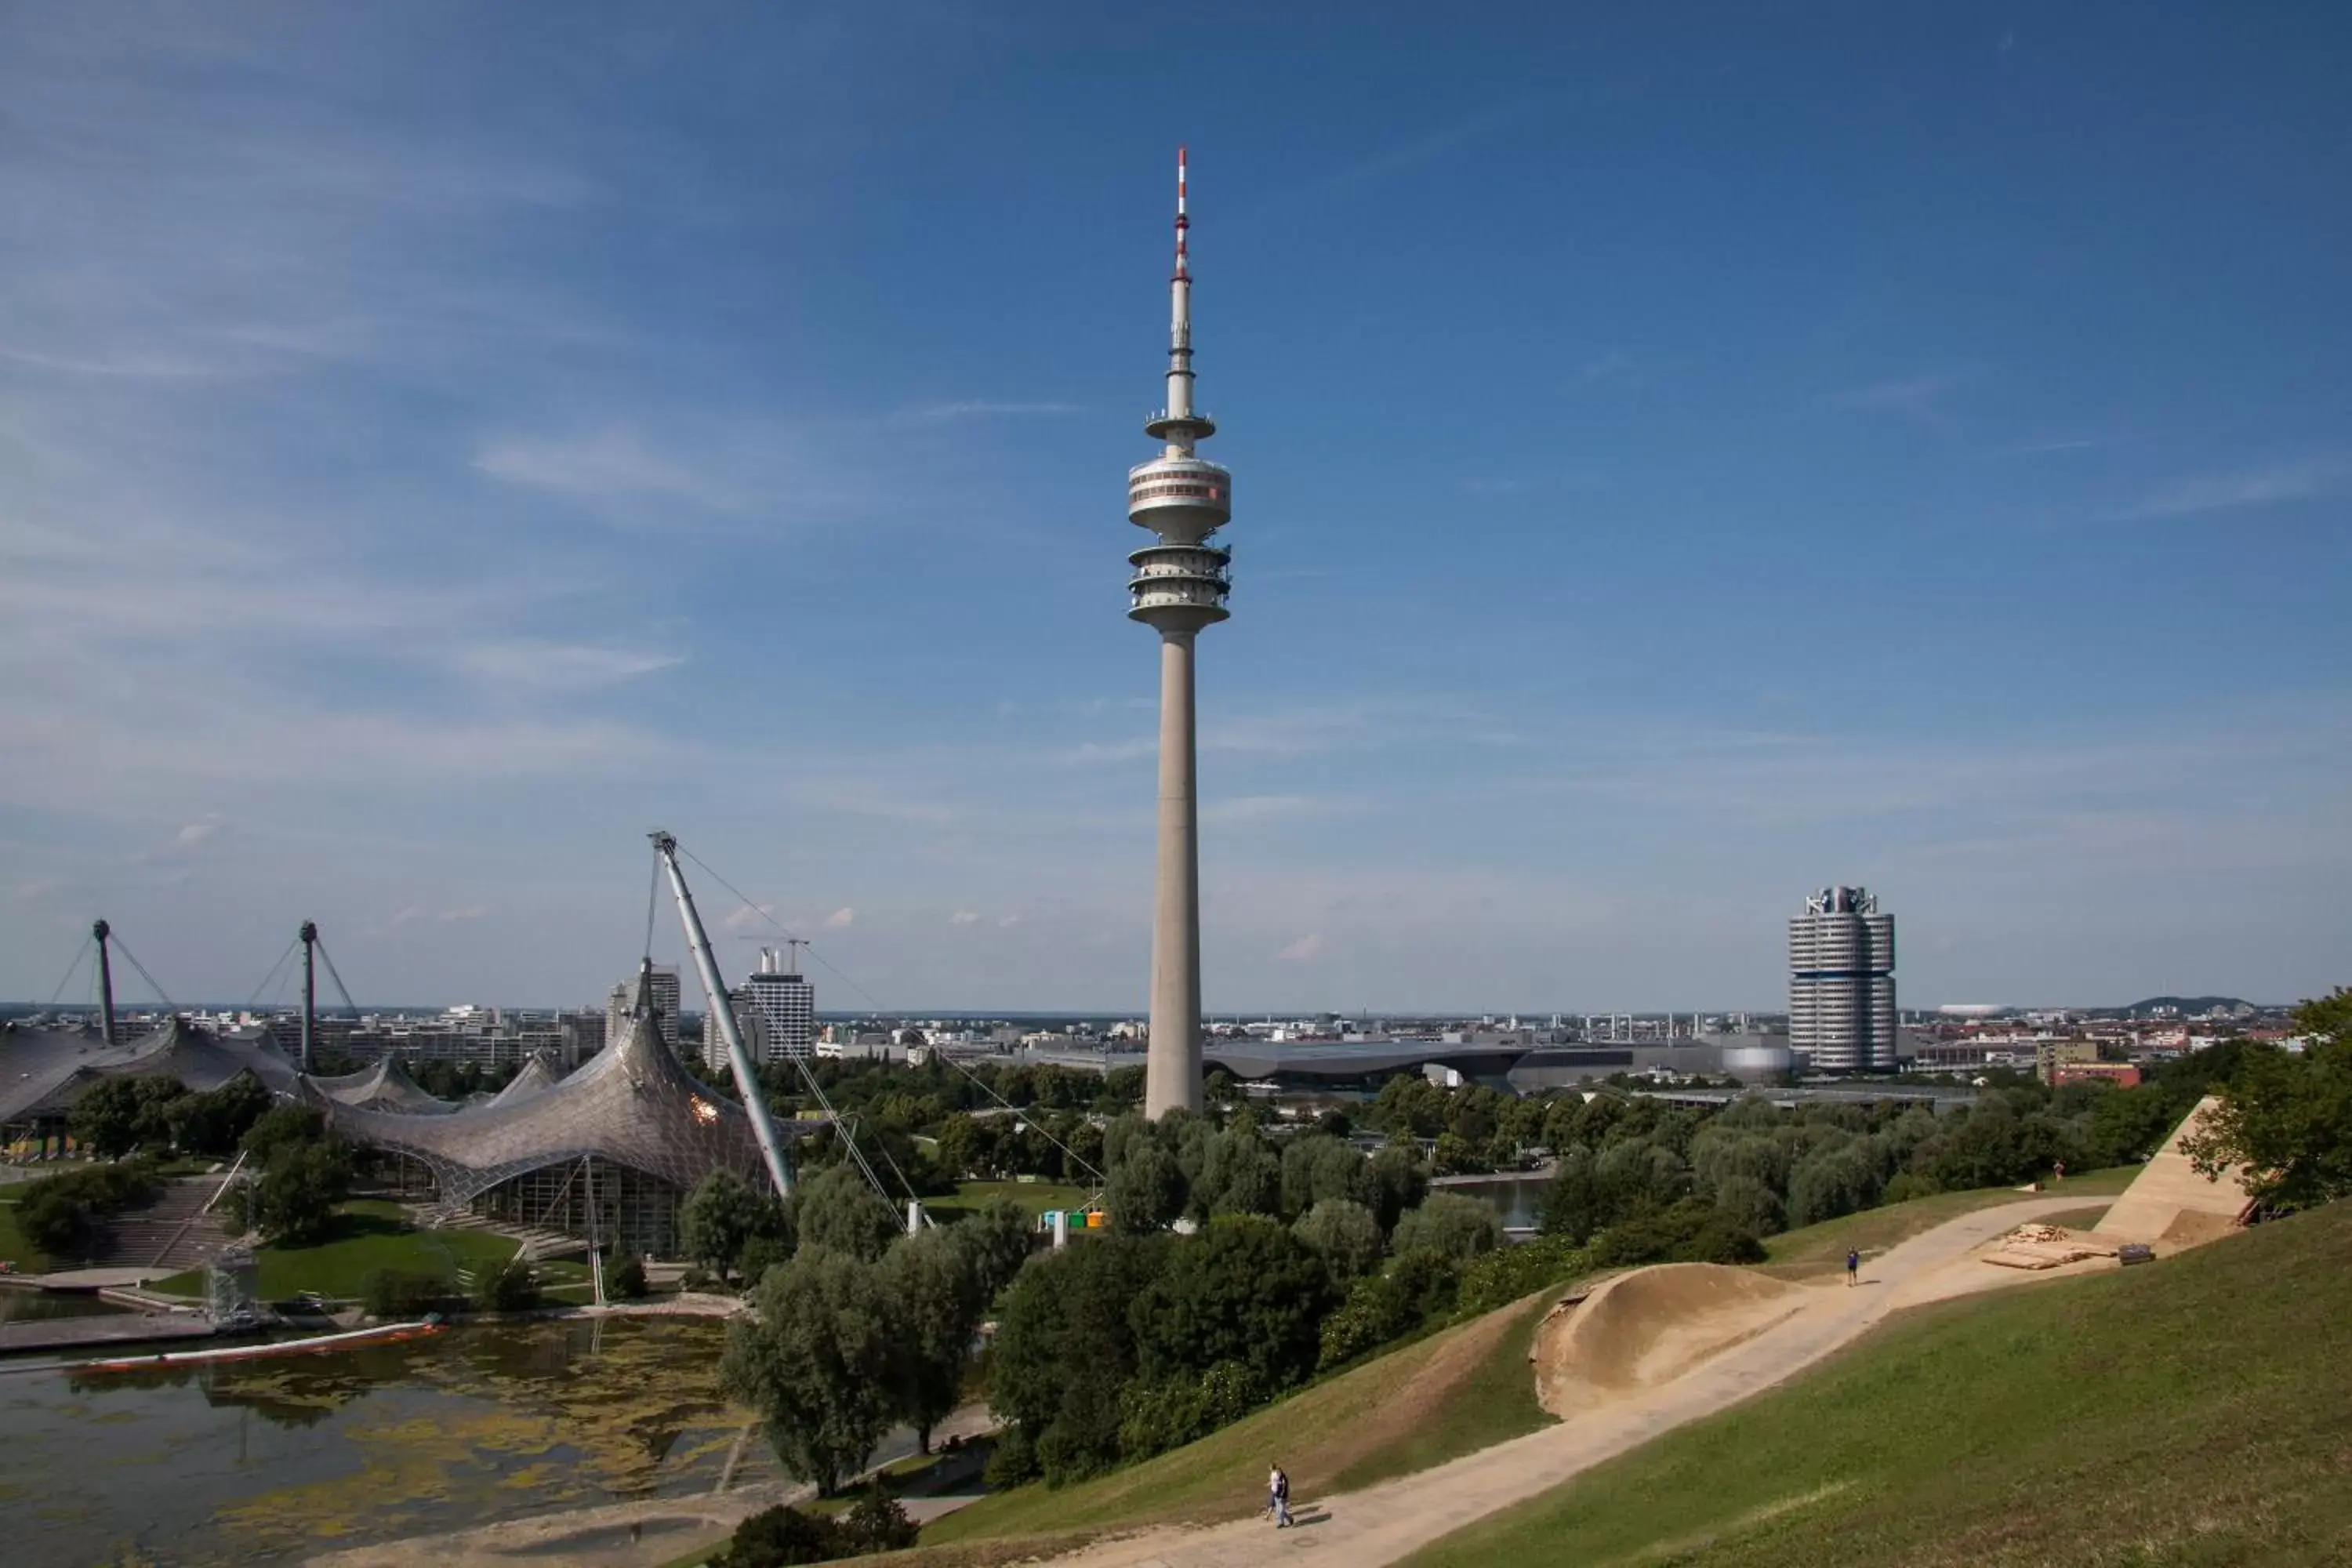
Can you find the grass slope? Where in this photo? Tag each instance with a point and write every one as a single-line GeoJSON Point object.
{"type": "Point", "coordinates": [364, 1236]}
{"type": "Point", "coordinates": [2195, 1411]}
{"type": "Point", "coordinates": [1451, 1394]}
{"type": "Point", "coordinates": [1822, 1249]}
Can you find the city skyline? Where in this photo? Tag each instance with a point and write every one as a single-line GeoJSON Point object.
{"type": "Point", "coordinates": [416, 481]}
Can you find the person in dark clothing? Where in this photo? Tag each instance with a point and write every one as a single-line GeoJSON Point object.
{"type": "Point", "coordinates": [1853, 1267]}
{"type": "Point", "coordinates": [1277, 1498]}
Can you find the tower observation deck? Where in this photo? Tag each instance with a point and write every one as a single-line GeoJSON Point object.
{"type": "Point", "coordinates": [1180, 582]}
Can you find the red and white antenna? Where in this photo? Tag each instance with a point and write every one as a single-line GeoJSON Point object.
{"type": "Point", "coordinates": [1182, 222]}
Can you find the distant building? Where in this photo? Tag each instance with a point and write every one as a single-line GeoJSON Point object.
{"type": "Point", "coordinates": [2123, 1075]}
{"type": "Point", "coordinates": [1841, 982]}
{"type": "Point", "coordinates": [620, 1003]}
{"type": "Point", "coordinates": [783, 1005]}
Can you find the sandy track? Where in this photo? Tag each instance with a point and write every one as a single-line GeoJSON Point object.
{"type": "Point", "coordinates": [1386, 1522]}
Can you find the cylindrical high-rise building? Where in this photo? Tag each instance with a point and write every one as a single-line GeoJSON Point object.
{"type": "Point", "coordinates": [1180, 586]}
{"type": "Point", "coordinates": [1841, 982]}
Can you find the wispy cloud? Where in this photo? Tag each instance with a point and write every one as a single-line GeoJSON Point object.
{"type": "Point", "coordinates": [982, 408]}
{"type": "Point", "coordinates": [1306, 949]}
{"type": "Point", "coordinates": [555, 666]}
{"type": "Point", "coordinates": [2231, 492]}
{"type": "Point", "coordinates": [608, 466]}
{"type": "Point", "coordinates": [1913, 393]}
{"type": "Point", "coordinates": [841, 919]}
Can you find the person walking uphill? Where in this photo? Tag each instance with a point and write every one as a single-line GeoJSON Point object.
{"type": "Point", "coordinates": [1853, 1267]}
{"type": "Point", "coordinates": [1277, 1496]}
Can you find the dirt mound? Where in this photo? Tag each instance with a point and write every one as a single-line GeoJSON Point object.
{"type": "Point", "coordinates": [1650, 1327]}
{"type": "Point", "coordinates": [2169, 1201]}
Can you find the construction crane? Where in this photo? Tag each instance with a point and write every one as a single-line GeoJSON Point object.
{"type": "Point", "coordinates": [738, 1058]}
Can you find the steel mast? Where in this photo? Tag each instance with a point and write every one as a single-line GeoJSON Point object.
{"type": "Point", "coordinates": [738, 1058]}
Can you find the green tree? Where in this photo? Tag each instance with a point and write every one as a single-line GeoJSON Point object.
{"type": "Point", "coordinates": [999, 1238]}
{"type": "Point", "coordinates": [819, 1363]}
{"type": "Point", "coordinates": [933, 1279]}
{"type": "Point", "coordinates": [294, 1197]}
{"type": "Point", "coordinates": [1245, 1290]}
{"type": "Point", "coordinates": [1394, 1182]}
{"type": "Point", "coordinates": [2287, 1118]}
{"type": "Point", "coordinates": [280, 1126]}
{"type": "Point", "coordinates": [118, 1115]}
{"type": "Point", "coordinates": [1147, 1189]}
{"type": "Point", "coordinates": [1065, 1353]}
{"type": "Point", "coordinates": [1345, 1235]}
{"type": "Point", "coordinates": [213, 1123]}
{"type": "Point", "coordinates": [839, 1211]}
{"type": "Point", "coordinates": [722, 1216]}
{"type": "Point", "coordinates": [1242, 1174]}
{"type": "Point", "coordinates": [1451, 1225]}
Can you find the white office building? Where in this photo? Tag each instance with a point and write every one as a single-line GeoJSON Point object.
{"type": "Point", "coordinates": [1841, 982]}
{"type": "Point", "coordinates": [782, 1005]}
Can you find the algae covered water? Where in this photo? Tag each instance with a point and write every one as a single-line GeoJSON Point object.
{"type": "Point", "coordinates": [273, 1460]}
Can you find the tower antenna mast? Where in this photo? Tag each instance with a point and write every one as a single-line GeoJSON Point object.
{"type": "Point", "coordinates": [1179, 586]}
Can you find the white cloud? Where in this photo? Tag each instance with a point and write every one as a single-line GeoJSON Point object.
{"type": "Point", "coordinates": [1306, 949]}
{"type": "Point", "coordinates": [196, 833]}
{"type": "Point", "coordinates": [470, 912]}
{"type": "Point", "coordinates": [840, 917]}
{"type": "Point", "coordinates": [747, 917]}
{"type": "Point", "coordinates": [965, 918]}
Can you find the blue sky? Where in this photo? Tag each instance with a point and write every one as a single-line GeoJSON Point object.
{"type": "Point", "coordinates": [1683, 459]}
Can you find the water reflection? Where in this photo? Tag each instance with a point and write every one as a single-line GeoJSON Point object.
{"type": "Point", "coordinates": [263, 1461]}
{"type": "Point", "coordinates": [19, 1305]}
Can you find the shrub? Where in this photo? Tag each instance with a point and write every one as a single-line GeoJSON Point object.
{"type": "Point", "coordinates": [62, 1214]}
{"type": "Point", "coordinates": [1157, 1416]}
{"type": "Point", "coordinates": [1386, 1306]}
{"type": "Point", "coordinates": [761, 1254]}
{"type": "Point", "coordinates": [508, 1286]}
{"type": "Point", "coordinates": [1244, 1289]}
{"type": "Point", "coordinates": [877, 1523]}
{"type": "Point", "coordinates": [1499, 1278]}
{"type": "Point", "coordinates": [404, 1293]}
{"type": "Point", "coordinates": [626, 1278]}
{"type": "Point", "coordinates": [778, 1536]}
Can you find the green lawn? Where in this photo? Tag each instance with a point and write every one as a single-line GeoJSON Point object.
{"type": "Point", "coordinates": [1035, 1197]}
{"type": "Point", "coordinates": [366, 1235]}
{"type": "Point", "coordinates": [2190, 1411]}
{"type": "Point", "coordinates": [1822, 1249]}
{"type": "Point", "coordinates": [1435, 1400]}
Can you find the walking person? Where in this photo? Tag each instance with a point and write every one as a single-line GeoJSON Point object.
{"type": "Point", "coordinates": [1853, 1267]}
{"type": "Point", "coordinates": [1277, 1498]}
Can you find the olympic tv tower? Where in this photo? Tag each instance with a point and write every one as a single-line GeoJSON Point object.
{"type": "Point", "coordinates": [1180, 586]}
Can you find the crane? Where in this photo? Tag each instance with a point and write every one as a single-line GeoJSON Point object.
{"type": "Point", "coordinates": [738, 1058]}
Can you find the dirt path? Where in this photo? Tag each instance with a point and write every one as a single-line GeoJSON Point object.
{"type": "Point", "coordinates": [1388, 1522]}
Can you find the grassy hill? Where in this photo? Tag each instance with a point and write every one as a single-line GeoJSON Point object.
{"type": "Point", "coordinates": [2195, 1411]}
{"type": "Point", "coordinates": [1449, 1394]}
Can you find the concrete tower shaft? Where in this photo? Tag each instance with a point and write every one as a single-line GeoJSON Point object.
{"type": "Point", "coordinates": [1180, 583]}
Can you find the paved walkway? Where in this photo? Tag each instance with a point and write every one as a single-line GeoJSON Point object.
{"type": "Point", "coordinates": [1389, 1522]}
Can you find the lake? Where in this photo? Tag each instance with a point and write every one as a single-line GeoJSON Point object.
{"type": "Point", "coordinates": [272, 1460]}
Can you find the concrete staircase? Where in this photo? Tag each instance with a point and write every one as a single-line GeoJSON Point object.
{"type": "Point", "coordinates": [170, 1235]}
{"type": "Point", "coordinates": [533, 1242]}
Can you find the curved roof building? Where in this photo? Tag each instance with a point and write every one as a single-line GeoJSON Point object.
{"type": "Point", "coordinates": [536, 1077]}
{"type": "Point", "coordinates": [610, 1151]}
{"type": "Point", "coordinates": [43, 1071]}
{"type": "Point", "coordinates": [384, 1087]}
